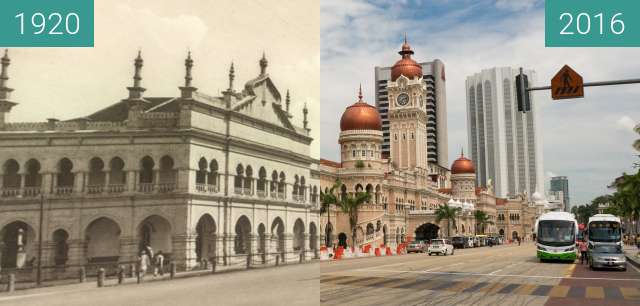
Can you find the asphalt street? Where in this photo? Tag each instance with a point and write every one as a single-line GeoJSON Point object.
{"type": "Point", "coordinates": [502, 275]}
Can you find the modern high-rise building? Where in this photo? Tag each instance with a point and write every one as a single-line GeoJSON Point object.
{"type": "Point", "coordinates": [504, 143]}
{"type": "Point", "coordinates": [435, 106]}
{"type": "Point", "coordinates": [561, 183]}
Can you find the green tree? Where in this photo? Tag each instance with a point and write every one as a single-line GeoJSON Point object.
{"type": "Point", "coordinates": [327, 199]}
{"type": "Point", "coordinates": [482, 219]}
{"type": "Point", "coordinates": [446, 212]}
{"type": "Point", "coordinates": [350, 205]}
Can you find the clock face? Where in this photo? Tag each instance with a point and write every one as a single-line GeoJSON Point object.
{"type": "Point", "coordinates": [403, 99]}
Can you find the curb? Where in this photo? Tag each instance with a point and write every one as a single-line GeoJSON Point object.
{"type": "Point", "coordinates": [633, 261]}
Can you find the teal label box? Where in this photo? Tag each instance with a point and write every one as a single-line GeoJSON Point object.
{"type": "Point", "coordinates": [46, 23]}
{"type": "Point", "coordinates": [592, 23]}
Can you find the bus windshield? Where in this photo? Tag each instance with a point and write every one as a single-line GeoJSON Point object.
{"type": "Point", "coordinates": [556, 233]}
{"type": "Point", "coordinates": [604, 231]}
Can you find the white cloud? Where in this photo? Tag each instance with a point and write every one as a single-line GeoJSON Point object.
{"type": "Point", "coordinates": [515, 5]}
{"type": "Point", "coordinates": [626, 123]}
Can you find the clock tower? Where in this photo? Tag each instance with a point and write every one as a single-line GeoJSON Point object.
{"type": "Point", "coordinates": [407, 113]}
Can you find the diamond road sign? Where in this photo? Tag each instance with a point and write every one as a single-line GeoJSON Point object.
{"type": "Point", "coordinates": [567, 84]}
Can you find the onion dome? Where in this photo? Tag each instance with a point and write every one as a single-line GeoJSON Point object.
{"type": "Point", "coordinates": [406, 65]}
{"type": "Point", "coordinates": [462, 165]}
{"type": "Point", "coordinates": [361, 116]}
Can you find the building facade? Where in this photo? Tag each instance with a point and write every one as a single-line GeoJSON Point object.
{"type": "Point", "coordinates": [504, 143]}
{"type": "Point", "coordinates": [561, 184]}
{"type": "Point", "coordinates": [194, 176]}
{"type": "Point", "coordinates": [406, 189]}
{"type": "Point", "coordinates": [434, 104]}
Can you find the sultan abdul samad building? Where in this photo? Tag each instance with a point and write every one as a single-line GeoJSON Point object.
{"type": "Point", "coordinates": [194, 176]}
{"type": "Point", "coordinates": [406, 189]}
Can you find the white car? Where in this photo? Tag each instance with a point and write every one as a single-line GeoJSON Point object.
{"type": "Point", "coordinates": [440, 246]}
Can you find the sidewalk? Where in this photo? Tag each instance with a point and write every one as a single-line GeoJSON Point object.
{"type": "Point", "coordinates": [633, 256]}
{"type": "Point", "coordinates": [91, 282]}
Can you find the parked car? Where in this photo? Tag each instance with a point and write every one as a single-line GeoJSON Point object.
{"type": "Point", "coordinates": [607, 256]}
{"type": "Point", "coordinates": [417, 246]}
{"type": "Point", "coordinates": [441, 246]}
{"type": "Point", "coordinates": [459, 242]}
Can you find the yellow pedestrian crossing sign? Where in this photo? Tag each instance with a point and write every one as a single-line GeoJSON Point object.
{"type": "Point", "coordinates": [567, 84]}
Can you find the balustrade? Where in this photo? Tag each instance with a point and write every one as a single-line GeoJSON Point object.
{"type": "Point", "coordinates": [32, 191]}
{"type": "Point", "coordinates": [146, 187]}
{"type": "Point", "coordinates": [166, 187]}
{"type": "Point", "coordinates": [63, 190]}
{"type": "Point", "coordinates": [95, 189]}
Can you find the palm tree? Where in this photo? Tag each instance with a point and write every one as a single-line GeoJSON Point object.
{"type": "Point", "coordinates": [350, 205]}
{"type": "Point", "coordinates": [482, 219]}
{"type": "Point", "coordinates": [446, 212]}
{"type": "Point", "coordinates": [327, 199]}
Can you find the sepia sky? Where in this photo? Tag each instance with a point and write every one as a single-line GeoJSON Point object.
{"type": "Point", "coordinates": [589, 140]}
{"type": "Point", "coordinates": [65, 83]}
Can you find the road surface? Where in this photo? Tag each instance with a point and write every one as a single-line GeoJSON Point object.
{"type": "Point", "coordinates": [284, 285]}
{"type": "Point", "coordinates": [502, 275]}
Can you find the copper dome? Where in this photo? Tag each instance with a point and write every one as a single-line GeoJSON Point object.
{"type": "Point", "coordinates": [462, 165]}
{"type": "Point", "coordinates": [361, 116]}
{"type": "Point", "coordinates": [406, 65]}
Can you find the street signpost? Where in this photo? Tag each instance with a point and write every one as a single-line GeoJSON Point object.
{"type": "Point", "coordinates": [567, 84]}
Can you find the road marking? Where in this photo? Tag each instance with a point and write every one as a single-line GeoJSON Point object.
{"type": "Point", "coordinates": [570, 270]}
{"type": "Point", "coordinates": [594, 292]}
{"type": "Point", "coordinates": [445, 266]}
{"type": "Point", "coordinates": [506, 275]}
{"type": "Point", "coordinates": [496, 271]}
{"type": "Point", "coordinates": [525, 289]}
{"type": "Point", "coordinates": [559, 291]}
{"type": "Point", "coordinates": [630, 293]}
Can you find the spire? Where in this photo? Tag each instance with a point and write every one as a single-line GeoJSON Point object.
{"type": "Point", "coordinates": [188, 89]}
{"type": "Point", "coordinates": [461, 151]}
{"type": "Point", "coordinates": [287, 101]}
{"type": "Point", "coordinates": [305, 112]}
{"type": "Point", "coordinates": [232, 75]}
{"type": "Point", "coordinates": [406, 48]}
{"type": "Point", "coordinates": [4, 77]}
{"type": "Point", "coordinates": [263, 64]}
{"type": "Point", "coordinates": [360, 93]}
{"type": "Point", "coordinates": [188, 63]}
{"type": "Point", "coordinates": [135, 92]}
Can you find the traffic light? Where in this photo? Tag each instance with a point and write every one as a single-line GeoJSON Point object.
{"type": "Point", "coordinates": [524, 101]}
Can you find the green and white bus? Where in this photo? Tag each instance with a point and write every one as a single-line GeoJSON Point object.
{"type": "Point", "coordinates": [556, 236]}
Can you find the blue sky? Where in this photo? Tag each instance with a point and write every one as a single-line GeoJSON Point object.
{"type": "Point", "coordinates": [587, 139]}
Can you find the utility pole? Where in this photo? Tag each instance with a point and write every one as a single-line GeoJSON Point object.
{"type": "Point", "coordinates": [41, 221]}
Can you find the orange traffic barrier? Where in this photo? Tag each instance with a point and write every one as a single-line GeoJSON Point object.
{"type": "Point", "coordinates": [377, 252]}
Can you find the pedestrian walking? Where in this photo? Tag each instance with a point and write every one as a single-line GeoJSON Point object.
{"type": "Point", "coordinates": [582, 245]}
{"type": "Point", "coordinates": [159, 264]}
{"type": "Point", "coordinates": [143, 262]}
{"type": "Point", "coordinates": [518, 238]}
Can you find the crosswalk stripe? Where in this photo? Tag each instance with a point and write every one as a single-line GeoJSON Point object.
{"type": "Point", "coordinates": [559, 291]}
{"type": "Point", "coordinates": [493, 288]}
{"type": "Point", "coordinates": [630, 293]}
{"type": "Point", "coordinates": [461, 286]}
{"type": "Point", "coordinates": [402, 282]}
{"type": "Point", "coordinates": [525, 289]}
{"type": "Point", "coordinates": [594, 292]}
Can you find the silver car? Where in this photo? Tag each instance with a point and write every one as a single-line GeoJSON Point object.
{"type": "Point", "coordinates": [607, 256]}
{"type": "Point", "coordinates": [417, 246]}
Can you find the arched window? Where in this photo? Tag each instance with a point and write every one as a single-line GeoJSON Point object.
{"type": "Point", "coordinates": [212, 178]}
{"type": "Point", "coordinates": [117, 176]}
{"type": "Point", "coordinates": [167, 179]}
{"type": "Point", "coordinates": [296, 186]}
{"type": "Point", "coordinates": [282, 186]}
{"type": "Point", "coordinates": [239, 179]}
{"type": "Point", "coordinates": [33, 178]}
{"type": "Point", "coordinates": [303, 189]}
{"type": "Point", "coordinates": [146, 174]}
{"type": "Point", "coordinates": [262, 182]}
{"type": "Point", "coordinates": [201, 174]}
{"type": "Point", "coordinates": [65, 176]}
{"type": "Point", "coordinates": [248, 181]}
{"type": "Point", "coordinates": [11, 179]}
{"type": "Point", "coordinates": [97, 176]}
{"type": "Point", "coordinates": [274, 184]}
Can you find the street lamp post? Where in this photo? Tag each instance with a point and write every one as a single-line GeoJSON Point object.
{"type": "Point", "coordinates": [41, 221]}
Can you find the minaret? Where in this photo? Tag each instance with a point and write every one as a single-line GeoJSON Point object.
{"type": "Point", "coordinates": [136, 91]}
{"type": "Point", "coordinates": [135, 102]}
{"type": "Point", "coordinates": [263, 65]}
{"type": "Point", "coordinates": [287, 102]}
{"type": "Point", "coordinates": [305, 122]}
{"type": "Point", "coordinates": [187, 90]}
{"type": "Point", "coordinates": [232, 75]}
{"type": "Point", "coordinates": [5, 91]}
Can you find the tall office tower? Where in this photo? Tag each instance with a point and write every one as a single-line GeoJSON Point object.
{"type": "Point", "coordinates": [435, 106]}
{"type": "Point", "coordinates": [561, 183]}
{"type": "Point", "coordinates": [504, 143]}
